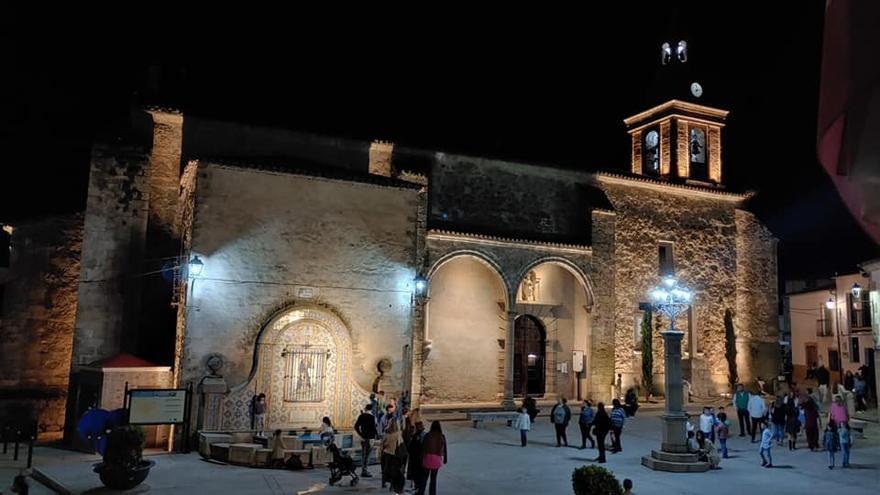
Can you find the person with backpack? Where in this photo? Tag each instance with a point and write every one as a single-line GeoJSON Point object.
{"type": "Point", "coordinates": [365, 427]}
{"type": "Point", "coordinates": [618, 417]}
{"type": "Point", "coordinates": [394, 455]}
{"type": "Point", "coordinates": [831, 442]}
{"type": "Point", "coordinates": [561, 415]}
{"type": "Point", "coordinates": [601, 426]}
{"type": "Point", "coordinates": [585, 422]}
{"type": "Point", "coordinates": [523, 424]}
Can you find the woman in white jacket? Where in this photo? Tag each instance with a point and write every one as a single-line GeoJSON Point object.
{"type": "Point", "coordinates": [757, 409]}
{"type": "Point", "coordinates": [524, 424]}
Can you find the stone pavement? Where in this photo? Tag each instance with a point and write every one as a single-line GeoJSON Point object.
{"type": "Point", "coordinates": [490, 460]}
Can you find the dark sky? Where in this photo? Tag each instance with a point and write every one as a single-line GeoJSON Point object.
{"type": "Point", "coordinates": [545, 87]}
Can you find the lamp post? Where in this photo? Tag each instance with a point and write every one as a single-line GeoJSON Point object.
{"type": "Point", "coordinates": [671, 299]}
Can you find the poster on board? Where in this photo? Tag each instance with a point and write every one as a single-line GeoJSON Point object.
{"type": "Point", "coordinates": [156, 406]}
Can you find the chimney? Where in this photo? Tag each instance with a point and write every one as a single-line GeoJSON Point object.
{"type": "Point", "coordinates": [380, 158]}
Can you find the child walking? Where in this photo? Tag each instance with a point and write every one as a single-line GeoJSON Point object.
{"type": "Point", "coordinates": [765, 445]}
{"type": "Point", "coordinates": [723, 431]}
{"type": "Point", "coordinates": [845, 440]}
{"type": "Point", "coordinates": [831, 443]}
{"type": "Point", "coordinates": [524, 424]}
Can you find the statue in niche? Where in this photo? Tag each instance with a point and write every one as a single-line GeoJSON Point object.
{"type": "Point", "coordinates": [304, 380]}
{"type": "Point", "coordinates": [530, 288]}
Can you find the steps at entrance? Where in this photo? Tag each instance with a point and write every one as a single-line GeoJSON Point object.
{"type": "Point", "coordinates": [673, 457]}
{"type": "Point", "coordinates": [674, 467]}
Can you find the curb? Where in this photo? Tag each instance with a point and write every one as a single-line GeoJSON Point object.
{"type": "Point", "coordinates": [49, 482]}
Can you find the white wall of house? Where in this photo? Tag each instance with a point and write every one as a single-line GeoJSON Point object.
{"type": "Point", "coordinates": [808, 330]}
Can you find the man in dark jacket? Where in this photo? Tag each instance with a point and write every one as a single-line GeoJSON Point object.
{"type": "Point", "coordinates": [365, 426]}
{"type": "Point", "coordinates": [560, 415]}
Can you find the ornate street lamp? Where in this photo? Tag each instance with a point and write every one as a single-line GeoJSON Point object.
{"type": "Point", "coordinates": [195, 266]}
{"type": "Point", "coordinates": [672, 299]}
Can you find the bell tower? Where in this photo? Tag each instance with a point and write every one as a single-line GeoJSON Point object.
{"type": "Point", "coordinates": [678, 141]}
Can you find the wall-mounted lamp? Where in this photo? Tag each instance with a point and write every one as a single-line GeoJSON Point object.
{"type": "Point", "coordinates": [829, 303]}
{"type": "Point", "coordinates": [195, 266]}
{"type": "Point", "coordinates": [421, 285]}
{"type": "Point", "coordinates": [857, 291]}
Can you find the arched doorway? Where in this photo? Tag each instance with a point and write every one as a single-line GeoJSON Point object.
{"type": "Point", "coordinates": [529, 349]}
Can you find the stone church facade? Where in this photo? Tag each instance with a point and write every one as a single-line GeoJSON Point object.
{"type": "Point", "coordinates": [330, 268]}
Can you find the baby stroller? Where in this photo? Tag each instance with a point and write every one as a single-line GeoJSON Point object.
{"type": "Point", "coordinates": [341, 465]}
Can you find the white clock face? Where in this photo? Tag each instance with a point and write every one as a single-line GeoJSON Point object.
{"type": "Point", "coordinates": [652, 139]}
{"type": "Point", "coordinates": [696, 89]}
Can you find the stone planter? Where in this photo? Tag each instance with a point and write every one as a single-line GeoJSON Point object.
{"type": "Point", "coordinates": [123, 479]}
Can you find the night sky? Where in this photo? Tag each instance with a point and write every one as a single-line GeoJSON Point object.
{"type": "Point", "coordinates": [547, 88]}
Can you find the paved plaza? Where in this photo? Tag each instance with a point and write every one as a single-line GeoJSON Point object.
{"type": "Point", "coordinates": [490, 460]}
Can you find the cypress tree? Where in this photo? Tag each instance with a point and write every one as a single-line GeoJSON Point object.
{"type": "Point", "coordinates": [647, 355]}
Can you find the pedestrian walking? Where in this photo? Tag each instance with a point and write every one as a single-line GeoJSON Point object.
{"type": "Point", "coordinates": [560, 415]}
{"type": "Point", "coordinates": [812, 423]}
{"type": "Point", "coordinates": [823, 377]}
{"type": "Point", "coordinates": [618, 418]}
{"type": "Point", "coordinates": [365, 427]}
{"type": "Point", "coordinates": [585, 422]}
{"type": "Point", "coordinates": [777, 419]}
{"type": "Point", "coordinates": [844, 437]}
{"type": "Point", "coordinates": [741, 403]}
{"type": "Point", "coordinates": [601, 426]}
{"type": "Point", "coordinates": [838, 413]}
{"type": "Point", "coordinates": [531, 407]}
{"type": "Point", "coordinates": [765, 447]}
{"type": "Point", "coordinates": [394, 455]}
{"type": "Point", "coordinates": [415, 471]}
{"type": "Point", "coordinates": [435, 454]}
{"type": "Point", "coordinates": [723, 432]}
{"type": "Point", "coordinates": [860, 389]}
{"type": "Point", "coordinates": [523, 424]}
{"type": "Point", "coordinates": [757, 409]}
{"type": "Point", "coordinates": [792, 424]}
{"type": "Point", "coordinates": [831, 442]}
{"type": "Point", "coordinates": [817, 401]}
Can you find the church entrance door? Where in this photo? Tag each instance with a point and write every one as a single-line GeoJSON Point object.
{"type": "Point", "coordinates": [529, 349]}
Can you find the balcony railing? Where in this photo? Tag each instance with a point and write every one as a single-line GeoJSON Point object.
{"type": "Point", "coordinates": [823, 328]}
{"type": "Point", "coordinates": [860, 316]}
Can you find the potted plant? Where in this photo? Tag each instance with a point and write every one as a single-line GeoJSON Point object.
{"type": "Point", "coordinates": [587, 480]}
{"type": "Point", "coordinates": [124, 466]}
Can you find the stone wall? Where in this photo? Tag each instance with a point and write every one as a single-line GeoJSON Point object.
{"type": "Point", "coordinates": [510, 199]}
{"type": "Point", "coordinates": [467, 317]}
{"type": "Point", "coordinates": [113, 241]}
{"type": "Point", "coordinates": [757, 301]}
{"type": "Point", "coordinates": [269, 240]}
{"type": "Point", "coordinates": [708, 252]}
{"type": "Point", "coordinates": [38, 316]}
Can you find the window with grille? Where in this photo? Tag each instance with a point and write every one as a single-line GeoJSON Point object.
{"type": "Point", "coordinates": [666, 258]}
{"type": "Point", "coordinates": [305, 374]}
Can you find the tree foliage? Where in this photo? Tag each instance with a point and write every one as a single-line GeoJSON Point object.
{"type": "Point", "coordinates": [647, 354]}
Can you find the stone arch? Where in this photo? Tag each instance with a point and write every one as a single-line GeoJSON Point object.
{"type": "Point", "coordinates": [286, 329]}
{"type": "Point", "coordinates": [564, 305]}
{"type": "Point", "coordinates": [465, 326]}
{"type": "Point", "coordinates": [480, 256]}
{"type": "Point", "coordinates": [572, 268]}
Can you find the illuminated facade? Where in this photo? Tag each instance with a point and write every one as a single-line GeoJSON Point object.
{"type": "Point", "coordinates": [536, 276]}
